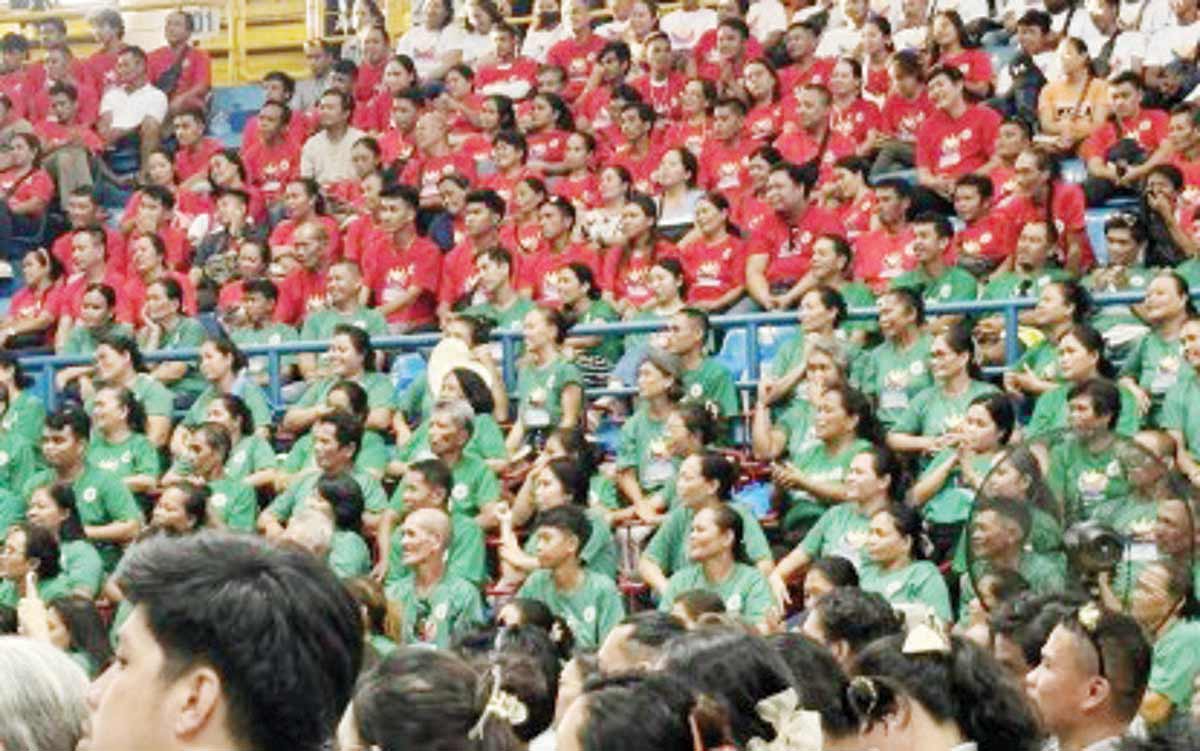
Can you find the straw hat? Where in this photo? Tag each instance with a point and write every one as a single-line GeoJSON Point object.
{"type": "Point", "coordinates": [449, 355]}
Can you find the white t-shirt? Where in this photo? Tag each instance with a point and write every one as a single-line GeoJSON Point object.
{"type": "Point", "coordinates": [685, 27]}
{"type": "Point", "coordinates": [1172, 42]}
{"type": "Point", "coordinates": [327, 161]}
{"type": "Point", "coordinates": [1129, 47]}
{"type": "Point", "coordinates": [475, 46]}
{"type": "Point", "coordinates": [426, 47]}
{"type": "Point", "coordinates": [128, 109]}
{"type": "Point", "coordinates": [538, 43]}
{"type": "Point", "coordinates": [766, 17]}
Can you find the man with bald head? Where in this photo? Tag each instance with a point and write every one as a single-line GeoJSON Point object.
{"type": "Point", "coordinates": [434, 159]}
{"type": "Point", "coordinates": [437, 604]}
{"type": "Point", "coordinates": [303, 291]}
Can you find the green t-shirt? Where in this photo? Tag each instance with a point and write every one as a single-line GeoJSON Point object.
{"type": "Point", "coordinates": [372, 455]}
{"type": "Point", "coordinates": [1175, 663]}
{"type": "Point", "coordinates": [591, 610]}
{"type": "Point", "coordinates": [235, 502]}
{"type": "Point", "coordinates": [1181, 411]}
{"type": "Point", "coordinates": [83, 340]}
{"type": "Point", "coordinates": [1051, 412]}
{"type": "Point", "coordinates": [136, 455]}
{"type": "Point", "coordinates": [953, 502]}
{"type": "Point", "coordinates": [156, 398]}
{"type": "Point", "coordinates": [82, 567]}
{"type": "Point", "coordinates": [101, 498]}
{"type": "Point", "coordinates": [474, 486]}
{"type": "Point", "coordinates": [796, 422]}
{"type": "Point", "coordinates": [602, 492]}
{"type": "Point", "coordinates": [1011, 284]}
{"type": "Point", "coordinates": [1110, 316]}
{"type": "Point", "coordinates": [249, 391]}
{"type": "Point", "coordinates": [487, 441]}
{"type": "Point", "coordinates": [842, 531]}
{"type": "Point", "coordinates": [933, 412]}
{"type": "Point", "coordinates": [18, 462]}
{"type": "Point", "coordinates": [668, 548]}
{"type": "Point", "coordinates": [292, 500]}
{"type": "Point", "coordinates": [187, 334]}
{"type": "Point", "coordinates": [25, 416]}
{"type": "Point", "coordinates": [348, 555]}
{"type": "Point", "coordinates": [452, 607]}
{"type": "Point", "coordinates": [1042, 359]}
{"type": "Point", "coordinates": [48, 589]}
{"type": "Point", "coordinates": [12, 509]}
{"type": "Point", "coordinates": [744, 591]}
{"type": "Point", "coordinates": [952, 285]}
{"type": "Point", "coordinates": [414, 400]}
{"type": "Point", "coordinates": [272, 333]}
{"type": "Point", "coordinates": [539, 392]}
{"type": "Point", "coordinates": [918, 582]}
{"type": "Point", "coordinates": [599, 553]}
{"type": "Point", "coordinates": [509, 318]}
{"type": "Point", "coordinates": [895, 376]}
{"type": "Point", "coordinates": [1046, 574]}
{"type": "Point", "coordinates": [465, 558]}
{"type": "Point", "coordinates": [817, 463]}
{"type": "Point", "coordinates": [641, 446]}
{"type": "Point", "coordinates": [609, 349]}
{"type": "Point", "coordinates": [319, 325]}
{"type": "Point", "coordinates": [1156, 364]}
{"type": "Point", "coordinates": [377, 385]}
{"type": "Point", "coordinates": [711, 383]}
{"type": "Point", "coordinates": [1086, 482]}
{"type": "Point", "coordinates": [251, 454]}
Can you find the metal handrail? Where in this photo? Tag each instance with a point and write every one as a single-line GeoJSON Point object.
{"type": "Point", "coordinates": [45, 366]}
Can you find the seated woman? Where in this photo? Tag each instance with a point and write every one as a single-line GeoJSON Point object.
{"type": "Point", "coordinates": [678, 197]}
{"type": "Point", "coordinates": [224, 369]}
{"type": "Point", "coordinates": [26, 410]}
{"type": "Point", "coordinates": [1060, 306]}
{"type": "Point", "coordinates": [1162, 594]}
{"type": "Point", "coordinates": [167, 327]}
{"type": "Point", "coordinates": [341, 499]}
{"type": "Point", "coordinates": [549, 387]}
{"type": "Point", "coordinates": [1074, 105]}
{"type": "Point", "coordinates": [825, 575]}
{"type": "Point", "coordinates": [1156, 362]}
{"type": "Point", "coordinates": [119, 365]}
{"type": "Point", "coordinates": [29, 549]}
{"type": "Point", "coordinates": [703, 480]}
{"type": "Point", "coordinates": [23, 461]}
{"type": "Point", "coordinates": [415, 400]}
{"type": "Point", "coordinates": [487, 439]}
{"type": "Point", "coordinates": [933, 420]}
{"type": "Point", "coordinates": [1080, 359]}
{"type": "Point", "coordinates": [25, 193]}
{"type": "Point", "coordinates": [33, 312]}
{"type": "Point", "coordinates": [667, 283]}
{"type": "Point", "coordinates": [53, 508]}
{"type": "Point", "coordinates": [97, 319]}
{"type": "Point", "coordinates": [945, 491]}
{"type": "Point", "coordinates": [578, 293]}
{"type": "Point", "coordinates": [372, 457]}
{"type": "Point", "coordinates": [624, 277]}
{"type": "Point", "coordinates": [118, 444]}
{"type": "Point", "coordinates": [817, 476]}
{"type": "Point", "coordinates": [714, 257]}
{"type": "Point", "coordinates": [896, 567]}
{"type": "Point", "coordinates": [351, 358]}
{"type": "Point", "coordinates": [895, 371]}
{"type": "Point", "coordinates": [551, 484]}
{"type": "Point", "coordinates": [644, 464]}
{"type": "Point", "coordinates": [719, 565]}
{"type": "Point", "coordinates": [873, 482]}
{"type": "Point", "coordinates": [74, 625]}
{"type": "Point", "coordinates": [822, 311]}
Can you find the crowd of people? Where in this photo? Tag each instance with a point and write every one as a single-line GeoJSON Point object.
{"type": "Point", "coordinates": [893, 538]}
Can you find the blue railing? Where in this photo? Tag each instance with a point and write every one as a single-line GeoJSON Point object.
{"type": "Point", "coordinates": [44, 367]}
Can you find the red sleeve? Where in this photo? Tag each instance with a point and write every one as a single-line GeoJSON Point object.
{"type": "Point", "coordinates": [1071, 207]}
{"type": "Point", "coordinates": [427, 271]}
{"type": "Point", "coordinates": [608, 273]}
{"type": "Point", "coordinates": [926, 141]}
{"type": "Point", "coordinates": [201, 68]}
{"type": "Point", "coordinates": [38, 185]}
{"type": "Point", "coordinates": [56, 300]}
{"type": "Point", "coordinates": [981, 67]}
{"type": "Point", "coordinates": [1098, 143]}
{"type": "Point", "coordinates": [738, 261]}
{"type": "Point", "coordinates": [63, 251]}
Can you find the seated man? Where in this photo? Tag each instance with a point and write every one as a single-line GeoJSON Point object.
{"type": "Point", "coordinates": [344, 305]}
{"type": "Point", "coordinates": [232, 503]}
{"type": "Point", "coordinates": [703, 378]}
{"type": "Point", "coordinates": [180, 69]}
{"type": "Point", "coordinates": [589, 602]}
{"type": "Point", "coordinates": [437, 604]}
{"type": "Point", "coordinates": [167, 327]}
{"type": "Point", "coordinates": [131, 115]}
{"type": "Point", "coordinates": [259, 297]}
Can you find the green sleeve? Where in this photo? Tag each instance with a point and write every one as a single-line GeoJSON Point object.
{"type": "Point", "coordinates": [1174, 406]}
{"type": "Point", "coordinates": [1132, 366]}
{"type": "Point", "coordinates": [119, 502]}
{"type": "Point", "coordinates": [487, 439]}
{"type": "Point", "coordinates": [297, 458]}
{"type": "Point", "coordinates": [610, 610]}
{"type": "Point", "coordinates": [85, 571]}
{"type": "Point", "coordinates": [284, 504]}
{"type": "Point", "coordinates": [372, 456]}
{"type": "Point", "coordinates": [754, 542]}
{"type": "Point", "coordinates": [487, 490]}
{"type": "Point", "coordinates": [348, 556]}
{"type": "Point", "coordinates": [788, 356]}
{"type": "Point", "coordinates": [814, 542]}
{"type": "Point", "coordinates": [726, 395]}
{"type": "Point", "coordinates": [931, 590]}
{"type": "Point", "coordinates": [963, 286]}
{"type": "Point", "coordinates": [158, 401]}
{"type": "Point", "coordinates": [257, 403]}
{"type": "Point", "coordinates": [146, 459]}
{"type": "Point", "coordinates": [379, 392]}
{"type": "Point", "coordinates": [376, 325]}
{"type": "Point", "coordinates": [467, 556]}
{"type": "Point", "coordinates": [627, 444]}
{"type": "Point", "coordinates": [262, 456]}
{"type": "Point", "coordinates": [241, 509]}
{"type": "Point", "coordinates": [1046, 416]}
{"type": "Point", "coordinates": [667, 540]}
{"type": "Point", "coordinates": [910, 419]}
{"type": "Point", "coordinates": [1128, 421]}
{"type": "Point", "coordinates": [12, 510]}
{"type": "Point", "coordinates": [375, 500]}
{"type": "Point", "coordinates": [195, 413]}
{"type": "Point", "coordinates": [909, 280]}
{"type": "Point", "coordinates": [757, 599]}
{"type": "Point", "coordinates": [600, 551]}
{"type": "Point", "coordinates": [312, 395]}
{"type": "Point", "coordinates": [22, 464]}
{"type": "Point", "coordinates": [1175, 664]}
{"type": "Point", "coordinates": [468, 611]}
{"type": "Point", "coordinates": [311, 330]}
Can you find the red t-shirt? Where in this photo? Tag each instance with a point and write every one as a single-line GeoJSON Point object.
{"type": "Point", "coordinates": [880, 257]}
{"type": "Point", "coordinates": [750, 214]}
{"type": "Point", "coordinates": [816, 71]}
{"type": "Point", "coordinates": [580, 191]}
{"type": "Point", "coordinates": [193, 160]}
{"type": "Point", "coordinates": [537, 267]}
{"type": "Point", "coordinates": [301, 292]}
{"type": "Point", "coordinates": [856, 121]}
{"type": "Point", "coordinates": [799, 147]}
{"type": "Point", "coordinates": [196, 69]}
{"type": "Point", "coordinates": [505, 184]}
{"type": "Point", "coordinates": [713, 269]}
{"type": "Point", "coordinates": [879, 81]}
{"type": "Point", "coordinates": [629, 280]}
{"type": "Point", "coordinates": [953, 147]}
{"type": "Point", "coordinates": [763, 123]}
{"type": "Point", "coordinates": [54, 134]}
{"type": "Point", "coordinates": [1004, 183]}
{"type": "Point", "coordinates": [856, 215]}
{"type": "Point", "coordinates": [102, 67]}
{"type": "Point", "coordinates": [790, 246]}
{"type": "Point", "coordinates": [133, 298]}
{"type": "Point", "coordinates": [271, 167]}
{"type": "Point", "coordinates": [723, 165]}
{"type": "Point", "coordinates": [88, 101]}
{"type": "Point", "coordinates": [519, 70]}
{"type": "Point", "coordinates": [902, 118]}
{"type": "Point", "coordinates": [974, 64]}
{"type": "Point", "coordinates": [640, 167]}
{"type": "Point", "coordinates": [396, 146]}
{"type": "Point", "coordinates": [27, 303]}
{"type": "Point", "coordinates": [705, 51]}
{"type": "Point", "coordinates": [663, 95]}
{"type": "Point", "coordinates": [1067, 207]}
{"type": "Point", "coordinates": [15, 185]}
{"type": "Point", "coordinates": [357, 236]}
{"type": "Point", "coordinates": [691, 136]}
{"type": "Point", "coordinates": [547, 146]}
{"type": "Point", "coordinates": [300, 126]}
{"type": "Point", "coordinates": [1148, 128]}
{"type": "Point", "coordinates": [188, 206]}
{"type": "Point", "coordinates": [368, 82]}
{"type": "Point", "coordinates": [425, 172]}
{"type": "Point", "coordinates": [282, 235]}
{"type": "Point", "coordinates": [75, 286]}
{"type": "Point", "coordinates": [459, 273]}
{"type": "Point", "coordinates": [116, 256]}
{"type": "Point", "coordinates": [179, 250]}
{"type": "Point", "coordinates": [19, 88]}
{"type": "Point", "coordinates": [991, 237]}
{"type": "Point", "coordinates": [390, 271]}
{"type": "Point", "coordinates": [577, 59]}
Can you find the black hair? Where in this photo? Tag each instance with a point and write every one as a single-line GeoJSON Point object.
{"type": "Point", "coordinates": [345, 498]}
{"type": "Point", "coordinates": [228, 348]}
{"type": "Point", "coordinates": [573, 479]}
{"type": "Point", "coordinates": [911, 299]}
{"type": "Point", "coordinates": [1026, 619]}
{"type": "Point", "coordinates": [1093, 342]}
{"type": "Point", "coordinates": [719, 468]}
{"type": "Point", "coordinates": [522, 677]}
{"type": "Point", "coordinates": [42, 549]}
{"type": "Point", "coordinates": [361, 341]}
{"type": "Point", "coordinates": [856, 404]}
{"type": "Point", "coordinates": [135, 413]}
{"type": "Point", "coordinates": [909, 523]}
{"type": "Point", "coordinates": [274, 623]}
{"type": "Point", "coordinates": [1123, 653]}
{"type": "Point", "coordinates": [195, 503]}
{"type": "Point", "coordinates": [958, 338]}
{"type": "Point", "coordinates": [1104, 396]}
{"type": "Point", "coordinates": [490, 199]}
{"type": "Point", "coordinates": [697, 602]}
{"type": "Point", "coordinates": [819, 679]}
{"type": "Point", "coordinates": [698, 421]}
{"type": "Point", "coordinates": [475, 390]}
{"type": "Point", "coordinates": [838, 570]}
{"type": "Point", "coordinates": [563, 120]}
{"type": "Point", "coordinates": [348, 429]}
{"type": "Point", "coordinates": [981, 183]}
{"type": "Point", "coordinates": [436, 474]}
{"type": "Point", "coordinates": [1002, 412]}
{"type": "Point", "coordinates": [571, 519]}
{"type": "Point", "coordinates": [649, 713]}
{"type": "Point", "coordinates": [72, 419]}
{"type": "Point", "coordinates": [63, 495]}
{"type": "Point", "coordinates": [533, 640]}
{"type": "Point", "coordinates": [856, 617]}
{"type": "Point", "coordinates": [965, 686]}
{"type": "Point", "coordinates": [264, 287]}
{"type": "Point", "coordinates": [85, 627]}
{"type": "Point", "coordinates": [237, 409]}
{"type": "Point", "coordinates": [357, 397]}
